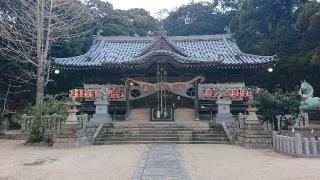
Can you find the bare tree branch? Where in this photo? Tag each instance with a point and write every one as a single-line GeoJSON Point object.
{"type": "Point", "coordinates": [29, 28]}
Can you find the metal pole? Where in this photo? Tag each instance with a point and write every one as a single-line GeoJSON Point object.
{"type": "Point", "coordinates": [196, 102]}
{"type": "Point", "coordinates": [5, 100]}
{"type": "Point", "coordinates": [127, 102]}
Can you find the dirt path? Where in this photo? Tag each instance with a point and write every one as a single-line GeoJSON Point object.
{"type": "Point", "coordinates": [111, 162]}
{"type": "Point", "coordinates": [228, 162]}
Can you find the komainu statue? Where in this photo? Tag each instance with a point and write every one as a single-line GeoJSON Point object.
{"type": "Point", "coordinates": [308, 102]}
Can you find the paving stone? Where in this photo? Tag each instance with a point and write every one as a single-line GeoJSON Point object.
{"type": "Point", "coordinates": [161, 161]}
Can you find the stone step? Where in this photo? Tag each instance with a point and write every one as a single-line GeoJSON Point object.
{"type": "Point", "coordinates": [124, 138]}
{"type": "Point", "coordinates": [158, 125]}
{"type": "Point", "coordinates": [120, 131]}
{"type": "Point", "coordinates": [163, 122]}
{"type": "Point", "coordinates": [164, 142]}
{"type": "Point", "coordinates": [194, 132]}
{"type": "Point", "coordinates": [157, 134]}
{"type": "Point", "coordinates": [115, 132]}
{"type": "Point", "coordinates": [163, 129]}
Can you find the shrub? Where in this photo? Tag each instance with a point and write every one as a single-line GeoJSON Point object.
{"type": "Point", "coordinates": [52, 105]}
{"type": "Point", "coordinates": [276, 103]}
{"type": "Point", "coordinates": [3, 125]}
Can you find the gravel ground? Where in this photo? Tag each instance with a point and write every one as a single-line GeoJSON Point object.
{"type": "Point", "coordinates": [119, 162]}
{"type": "Point", "coordinates": [229, 162]}
{"type": "Point", "coordinates": [110, 162]}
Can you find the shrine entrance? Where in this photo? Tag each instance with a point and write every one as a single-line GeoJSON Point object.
{"type": "Point", "coordinates": [161, 109]}
{"type": "Point", "coordinates": [161, 98]}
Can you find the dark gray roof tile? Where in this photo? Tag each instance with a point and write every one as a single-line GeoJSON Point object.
{"type": "Point", "coordinates": [190, 49]}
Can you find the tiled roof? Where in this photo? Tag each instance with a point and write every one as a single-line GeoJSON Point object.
{"type": "Point", "coordinates": [220, 49]}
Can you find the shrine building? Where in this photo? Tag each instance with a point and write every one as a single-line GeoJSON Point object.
{"type": "Point", "coordinates": [164, 78]}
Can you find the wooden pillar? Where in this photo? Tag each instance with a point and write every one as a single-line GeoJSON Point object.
{"type": "Point", "coordinates": [196, 102]}
{"type": "Point", "coordinates": [127, 103]}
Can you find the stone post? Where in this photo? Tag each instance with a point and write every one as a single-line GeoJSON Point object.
{"type": "Point", "coordinates": [278, 142]}
{"type": "Point", "coordinates": [288, 150]}
{"type": "Point", "coordinates": [298, 144]}
{"type": "Point", "coordinates": [292, 145]}
{"type": "Point", "coordinates": [281, 143]}
{"type": "Point", "coordinates": [274, 139]}
{"type": "Point", "coordinates": [241, 121]}
{"type": "Point", "coordinates": [306, 146]}
{"type": "Point", "coordinates": [314, 150]}
{"type": "Point", "coordinates": [279, 122]}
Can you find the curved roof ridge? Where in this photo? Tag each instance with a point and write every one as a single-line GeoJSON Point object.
{"type": "Point", "coordinates": [254, 55]}
{"type": "Point", "coordinates": [158, 42]}
{"type": "Point", "coordinates": [124, 38]}
{"type": "Point", "coordinates": [200, 37]}
{"type": "Point", "coordinates": [173, 38]}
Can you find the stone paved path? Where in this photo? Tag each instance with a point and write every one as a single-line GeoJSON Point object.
{"type": "Point", "coordinates": [161, 162]}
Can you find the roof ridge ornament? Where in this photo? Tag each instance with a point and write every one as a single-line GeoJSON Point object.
{"type": "Point", "coordinates": [162, 31]}
{"type": "Point", "coordinates": [98, 37]}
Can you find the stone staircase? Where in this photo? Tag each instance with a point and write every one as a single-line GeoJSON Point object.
{"type": "Point", "coordinates": [162, 132]}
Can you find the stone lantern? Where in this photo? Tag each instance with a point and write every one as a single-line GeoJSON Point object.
{"type": "Point", "coordinates": [252, 117]}
{"type": "Point", "coordinates": [101, 114]}
{"type": "Point", "coordinates": [72, 112]}
{"type": "Point", "coordinates": [67, 137]}
{"type": "Point", "coordinates": [253, 135]}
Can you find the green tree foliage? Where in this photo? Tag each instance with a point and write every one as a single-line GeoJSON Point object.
{"type": "Point", "coordinates": [53, 104]}
{"type": "Point", "coordinates": [112, 22]}
{"type": "Point", "coordinates": [289, 29]}
{"type": "Point", "coordinates": [307, 25]}
{"type": "Point", "coordinates": [115, 22]}
{"type": "Point", "coordinates": [276, 103]}
{"type": "Point", "coordinates": [197, 19]}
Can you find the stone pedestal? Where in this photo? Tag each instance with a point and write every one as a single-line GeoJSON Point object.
{"type": "Point", "coordinates": [252, 134]}
{"type": "Point", "coordinates": [224, 114]}
{"type": "Point", "coordinates": [67, 137]}
{"type": "Point", "coordinates": [101, 115]}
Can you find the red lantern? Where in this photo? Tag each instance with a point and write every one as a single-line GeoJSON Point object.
{"type": "Point", "coordinates": [230, 92]}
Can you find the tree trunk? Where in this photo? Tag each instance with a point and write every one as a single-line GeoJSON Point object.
{"type": "Point", "coordinates": [40, 86]}
{"type": "Point", "coordinates": [40, 59]}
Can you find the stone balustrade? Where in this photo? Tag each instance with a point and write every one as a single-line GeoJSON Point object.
{"type": "Point", "coordinates": [51, 123]}
{"type": "Point", "coordinates": [296, 146]}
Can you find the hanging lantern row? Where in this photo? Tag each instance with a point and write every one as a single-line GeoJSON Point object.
{"type": "Point", "coordinates": [91, 94]}
{"type": "Point", "coordinates": [233, 93]}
